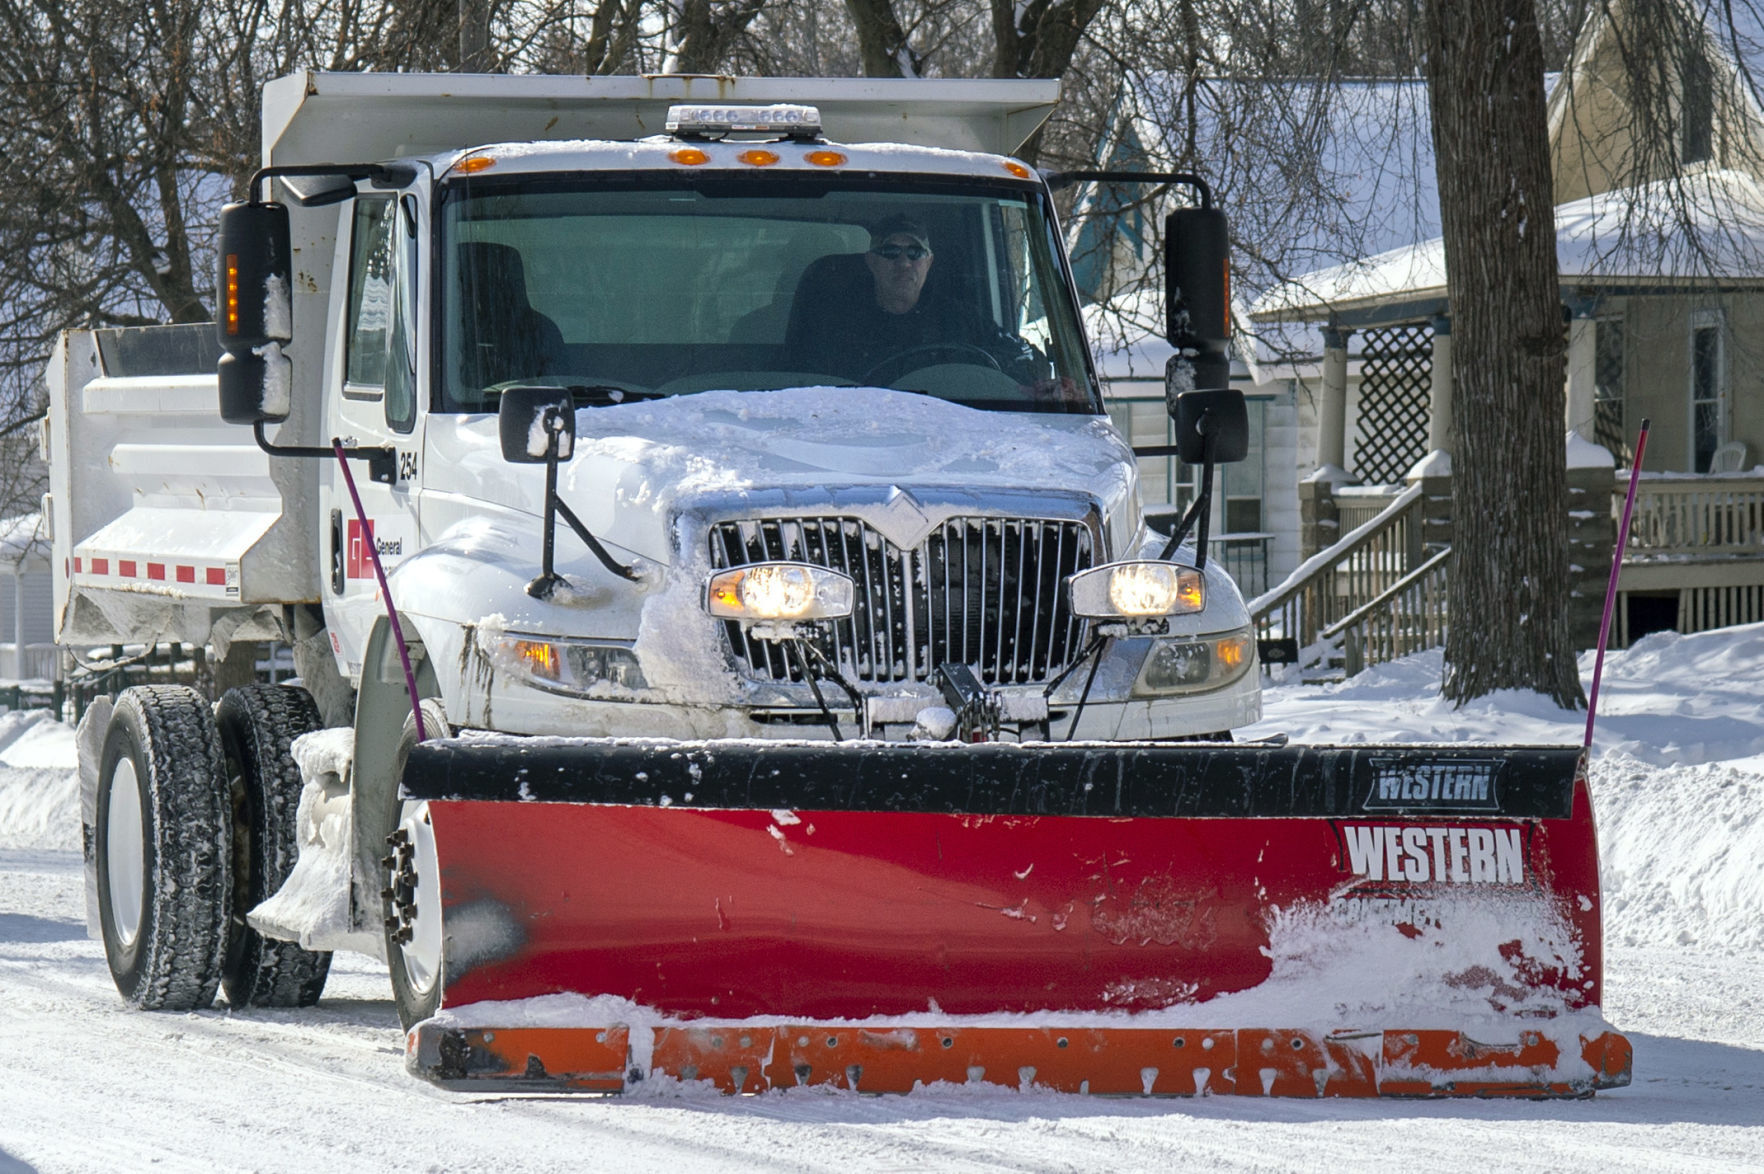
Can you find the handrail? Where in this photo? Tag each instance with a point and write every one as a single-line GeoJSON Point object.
{"type": "Point", "coordinates": [1408, 618]}
{"type": "Point", "coordinates": [1348, 544]}
{"type": "Point", "coordinates": [1363, 564]}
{"type": "Point", "coordinates": [1359, 614]}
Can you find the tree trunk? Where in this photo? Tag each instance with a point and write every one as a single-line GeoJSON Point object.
{"type": "Point", "coordinates": [882, 43]}
{"type": "Point", "coordinates": [1509, 580]}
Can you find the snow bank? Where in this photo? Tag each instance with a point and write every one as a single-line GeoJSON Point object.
{"type": "Point", "coordinates": [1677, 771]}
{"type": "Point", "coordinates": [39, 791]}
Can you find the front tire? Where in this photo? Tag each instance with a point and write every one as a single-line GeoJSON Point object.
{"type": "Point", "coordinates": [410, 893]}
{"type": "Point", "coordinates": [164, 849]}
{"type": "Point", "coordinates": [257, 725]}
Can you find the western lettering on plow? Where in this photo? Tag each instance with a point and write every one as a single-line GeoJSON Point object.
{"type": "Point", "coordinates": [1454, 785]}
{"type": "Point", "coordinates": [1434, 854]}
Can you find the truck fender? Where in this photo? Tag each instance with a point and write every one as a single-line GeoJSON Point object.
{"type": "Point", "coordinates": [90, 740]}
{"type": "Point", "coordinates": [381, 706]}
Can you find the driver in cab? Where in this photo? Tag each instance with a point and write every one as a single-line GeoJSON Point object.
{"type": "Point", "coordinates": [880, 331]}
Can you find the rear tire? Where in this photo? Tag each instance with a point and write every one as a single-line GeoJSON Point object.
{"type": "Point", "coordinates": [164, 849]}
{"type": "Point", "coordinates": [409, 889]}
{"type": "Point", "coordinates": [257, 724]}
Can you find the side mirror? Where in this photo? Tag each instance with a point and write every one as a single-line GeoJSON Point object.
{"type": "Point", "coordinates": [1220, 415]}
{"type": "Point", "coordinates": [529, 417]}
{"type": "Point", "coordinates": [1197, 299]}
{"type": "Point", "coordinates": [256, 313]}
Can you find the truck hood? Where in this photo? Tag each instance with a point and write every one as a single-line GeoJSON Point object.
{"type": "Point", "coordinates": [638, 465]}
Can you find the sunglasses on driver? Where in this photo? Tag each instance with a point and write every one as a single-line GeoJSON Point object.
{"type": "Point", "coordinates": [896, 252]}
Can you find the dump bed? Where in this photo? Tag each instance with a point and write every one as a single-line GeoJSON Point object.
{"type": "Point", "coordinates": [165, 519]}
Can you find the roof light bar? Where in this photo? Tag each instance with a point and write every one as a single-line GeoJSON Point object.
{"type": "Point", "coordinates": [789, 121]}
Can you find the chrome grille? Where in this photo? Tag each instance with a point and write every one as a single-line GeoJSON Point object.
{"type": "Point", "coordinates": [977, 591]}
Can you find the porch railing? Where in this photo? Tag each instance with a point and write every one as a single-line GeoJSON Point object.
{"type": "Point", "coordinates": [1409, 617]}
{"type": "Point", "coordinates": [1334, 584]}
{"type": "Point", "coordinates": [1677, 514]}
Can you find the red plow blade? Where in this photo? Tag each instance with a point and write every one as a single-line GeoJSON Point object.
{"type": "Point", "coordinates": [1153, 913]}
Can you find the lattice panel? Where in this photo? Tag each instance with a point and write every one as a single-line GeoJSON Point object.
{"type": "Point", "coordinates": [1608, 425]}
{"type": "Point", "coordinates": [1396, 392]}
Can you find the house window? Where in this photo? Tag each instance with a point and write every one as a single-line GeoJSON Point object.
{"type": "Point", "coordinates": [1608, 427]}
{"type": "Point", "coordinates": [1708, 389]}
{"type": "Point", "coordinates": [1698, 107]}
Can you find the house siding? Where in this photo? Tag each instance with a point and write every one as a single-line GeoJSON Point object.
{"type": "Point", "coordinates": [1657, 372]}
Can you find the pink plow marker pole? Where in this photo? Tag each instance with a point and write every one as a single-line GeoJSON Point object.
{"type": "Point", "coordinates": [1592, 702]}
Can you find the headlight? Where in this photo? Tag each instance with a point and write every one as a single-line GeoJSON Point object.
{"type": "Point", "coordinates": [1190, 664]}
{"type": "Point", "coordinates": [1140, 588]}
{"type": "Point", "coordinates": [779, 591]}
{"type": "Point", "coordinates": [568, 666]}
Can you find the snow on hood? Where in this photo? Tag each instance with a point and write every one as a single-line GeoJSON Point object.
{"type": "Point", "coordinates": [715, 446]}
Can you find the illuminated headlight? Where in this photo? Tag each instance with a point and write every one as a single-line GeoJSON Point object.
{"type": "Point", "coordinates": [779, 591]}
{"type": "Point", "coordinates": [569, 666]}
{"type": "Point", "coordinates": [1137, 589]}
{"type": "Point", "coordinates": [1189, 664]}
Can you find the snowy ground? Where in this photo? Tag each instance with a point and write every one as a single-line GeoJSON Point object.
{"type": "Point", "coordinates": [1679, 780]}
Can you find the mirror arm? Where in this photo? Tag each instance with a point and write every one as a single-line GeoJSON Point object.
{"type": "Point", "coordinates": [549, 580]}
{"type": "Point", "coordinates": [382, 462]}
{"type": "Point", "coordinates": [381, 174]}
{"type": "Point", "coordinates": [1057, 180]}
{"type": "Point", "coordinates": [592, 543]}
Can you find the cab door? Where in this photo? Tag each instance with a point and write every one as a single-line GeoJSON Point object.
{"type": "Point", "coordinates": [374, 402]}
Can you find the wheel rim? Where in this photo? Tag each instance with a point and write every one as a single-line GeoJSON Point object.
{"type": "Point", "coordinates": [125, 853]}
{"type": "Point", "coordinates": [422, 952]}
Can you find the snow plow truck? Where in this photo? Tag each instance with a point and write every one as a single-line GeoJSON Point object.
{"type": "Point", "coordinates": [729, 645]}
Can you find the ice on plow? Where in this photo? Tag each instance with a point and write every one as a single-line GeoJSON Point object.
{"type": "Point", "coordinates": [1106, 918]}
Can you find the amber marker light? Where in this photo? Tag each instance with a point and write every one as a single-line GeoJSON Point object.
{"type": "Point", "coordinates": [474, 164]}
{"type": "Point", "coordinates": [758, 158]}
{"type": "Point", "coordinates": [539, 657]}
{"type": "Point", "coordinates": [232, 293]}
{"type": "Point", "coordinates": [1017, 169]}
{"type": "Point", "coordinates": [825, 158]}
{"type": "Point", "coordinates": [689, 157]}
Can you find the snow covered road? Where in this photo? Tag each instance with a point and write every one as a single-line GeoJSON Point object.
{"type": "Point", "coordinates": [92, 1086]}
{"type": "Point", "coordinates": [88, 1085]}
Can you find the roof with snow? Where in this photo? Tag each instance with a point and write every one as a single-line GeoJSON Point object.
{"type": "Point", "coordinates": [1311, 174]}
{"type": "Point", "coordinates": [1665, 235]}
{"type": "Point", "coordinates": [24, 543]}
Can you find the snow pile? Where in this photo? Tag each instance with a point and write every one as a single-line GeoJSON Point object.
{"type": "Point", "coordinates": [39, 792]}
{"type": "Point", "coordinates": [1677, 770]}
{"type": "Point", "coordinates": [312, 905]}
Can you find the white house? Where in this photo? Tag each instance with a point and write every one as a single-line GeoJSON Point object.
{"type": "Point", "coordinates": [27, 632]}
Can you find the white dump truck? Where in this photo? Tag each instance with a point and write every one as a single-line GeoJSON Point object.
{"type": "Point", "coordinates": [798, 366]}
{"type": "Point", "coordinates": [721, 603]}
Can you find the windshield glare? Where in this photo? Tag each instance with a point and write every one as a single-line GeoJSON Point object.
{"type": "Point", "coordinates": [624, 292]}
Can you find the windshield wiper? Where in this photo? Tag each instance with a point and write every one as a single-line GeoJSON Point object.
{"type": "Point", "coordinates": [603, 395]}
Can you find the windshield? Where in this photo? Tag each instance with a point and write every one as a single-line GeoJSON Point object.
{"type": "Point", "coordinates": [622, 289]}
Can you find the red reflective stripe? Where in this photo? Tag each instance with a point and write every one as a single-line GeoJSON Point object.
{"type": "Point", "coordinates": [76, 562]}
{"type": "Point", "coordinates": [126, 568]}
{"type": "Point", "coordinates": [186, 574]}
{"type": "Point", "coordinates": [217, 576]}
{"type": "Point", "coordinates": [101, 566]}
{"type": "Point", "coordinates": [156, 570]}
